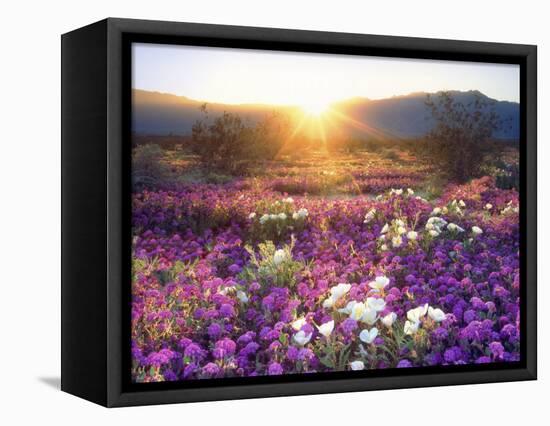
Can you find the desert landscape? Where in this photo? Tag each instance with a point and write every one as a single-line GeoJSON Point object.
{"type": "Point", "coordinates": [328, 236]}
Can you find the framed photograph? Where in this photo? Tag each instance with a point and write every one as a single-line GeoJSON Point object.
{"type": "Point", "coordinates": [254, 212]}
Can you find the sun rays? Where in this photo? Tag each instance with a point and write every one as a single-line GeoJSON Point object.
{"type": "Point", "coordinates": [319, 120]}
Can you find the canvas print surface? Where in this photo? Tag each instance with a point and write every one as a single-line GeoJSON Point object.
{"type": "Point", "coordinates": [297, 213]}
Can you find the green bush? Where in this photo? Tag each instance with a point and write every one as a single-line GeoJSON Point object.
{"type": "Point", "coordinates": [506, 175]}
{"type": "Point", "coordinates": [148, 168]}
{"type": "Point", "coordinates": [226, 144]}
{"type": "Point", "coordinates": [390, 154]}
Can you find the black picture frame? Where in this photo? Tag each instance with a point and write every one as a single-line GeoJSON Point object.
{"type": "Point", "coordinates": [96, 210]}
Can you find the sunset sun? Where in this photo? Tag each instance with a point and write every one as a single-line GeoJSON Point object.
{"type": "Point", "coordinates": [315, 108]}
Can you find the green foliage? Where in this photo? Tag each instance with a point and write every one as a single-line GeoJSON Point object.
{"type": "Point", "coordinates": [506, 175]}
{"type": "Point", "coordinates": [325, 183]}
{"type": "Point", "coordinates": [335, 355]}
{"type": "Point", "coordinates": [148, 169]}
{"type": "Point", "coordinates": [272, 266]}
{"type": "Point", "coordinates": [203, 216]}
{"type": "Point", "coordinates": [433, 187]}
{"type": "Point", "coordinates": [217, 178]}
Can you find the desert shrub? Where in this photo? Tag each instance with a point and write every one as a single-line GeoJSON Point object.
{"type": "Point", "coordinates": [461, 135]}
{"type": "Point", "coordinates": [203, 216]}
{"type": "Point", "coordinates": [506, 175]}
{"type": "Point", "coordinates": [148, 168]}
{"type": "Point", "coordinates": [390, 154]}
{"type": "Point", "coordinates": [229, 145]}
{"type": "Point", "coordinates": [217, 178]}
{"type": "Point", "coordinates": [433, 187]}
{"type": "Point", "coordinates": [374, 145]}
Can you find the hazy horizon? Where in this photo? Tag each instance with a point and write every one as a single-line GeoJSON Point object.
{"type": "Point", "coordinates": [400, 95]}
{"type": "Point", "coordinates": [310, 80]}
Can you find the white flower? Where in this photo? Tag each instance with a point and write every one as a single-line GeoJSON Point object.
{"type": "Point", "coordinates": [389, 319]}
{"type": "Point", "coordinates": [282, 216]}
{"type": "Point", "coordinates": [370, 316]}
{"type": "Point", "coordinates": [379, 283]}
{"type": "Point", "coordinates": [229, 289]}
{"type": "Point", "coordinates": [326, 328]}
{"type": "Point", "coordinates": [298, 324]}
{"type": "Point", "coordinates": [252, 215]}
{"type": "Point", "coordinates": [399, 222]}
{"type": "Point", "coordinates": [410, 191]}
{"type": "Point", "coordinates": [510, 208]}
{"type": "Point", "coordinates": [383, 247]}
{"type": "Point", "coordinates": [436, 314]}
{"type": "Point", "coordinates": [357, 365]}
{"type": "Point", "coordinates": [382, 237]}
{"type": "Point", "coordinates": [303, 213]}
{"type": "Point", "coordinates": [328, 303]}
{"type": "Point", "coordinates": [273, 216]}
{"type": "Point", "coordinates": [434, 225]}
{"type": "Point", "coordinates": [411, 327]}
{"type": "Point", "coordinates": [376, 304]}
{"type": "Point", "coordinates": [453, 227]}
{"type": "Point", "coordinates": [279, 257]}
{"type": "Point", "coordinates": [357, 311]}
{"type": "Point", "coordinates": [435, 222]}
{"type": "Point", "coordinates": [396, 191]}
{"type": "Point", "coordinates": [488, 206]}
{"type": "Point", "coordinates": [347, 309]}
{"type": "Point", "coordinates": [339, 291]}
{"type": "Point", "coordinates": [412, 235]}
{"type": "Point", "coordinates": [397, 241]}
{"type": "Point", "coordinates": [401, 230]}
{"type": "Point", "coordinates": [241, 295]}
{"type": "Point", "coordinates": [385, 229]}
{"type": "Point", "coordinates": [416, 314]}
{"type": "Point", "coordinates": [295, 216]}
{"type": "Point", "coordinates": [368, 336]}
{"type": "Point", "coordinates": [435, 211]}
{"type": "Point", "coordinates": [264, 219]}
{"type": "Point", "coordinates": [302, 338]}
{"type": "Point", "coordinates": [477, 230]}
{"type": "Point", "coordinates": [288, 200]}
{"type": "Point", "coordinates": [462, 203]}
{"type": "Point", "coordinates": [369, 215]}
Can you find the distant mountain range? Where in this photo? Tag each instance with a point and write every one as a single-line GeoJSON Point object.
{"type": "Point", "coordinates": [399, 116]}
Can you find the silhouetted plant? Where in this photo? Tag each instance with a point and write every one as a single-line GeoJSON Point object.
{"type": "Point", "coordinates": [228, 144]}
{"type": "Point", "coordinates": [459, 140]}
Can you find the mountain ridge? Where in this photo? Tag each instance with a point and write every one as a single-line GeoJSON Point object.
{"type": "Point", "coordinates": [402, 116]}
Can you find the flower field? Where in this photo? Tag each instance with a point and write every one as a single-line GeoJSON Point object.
{"type": "Point", "coordinates": [320, 265]}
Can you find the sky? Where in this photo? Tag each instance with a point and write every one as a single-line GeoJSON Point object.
{"type": "Point", "coordinates": [237, 76]}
